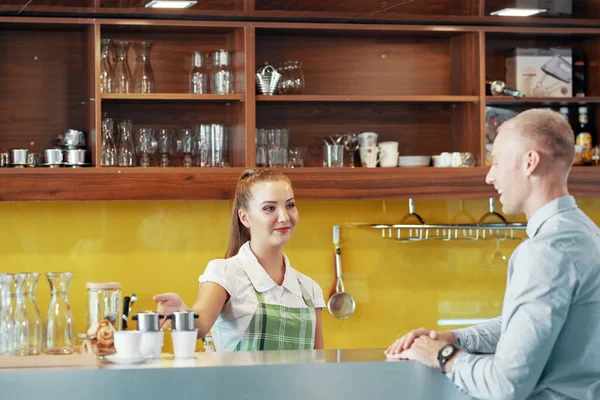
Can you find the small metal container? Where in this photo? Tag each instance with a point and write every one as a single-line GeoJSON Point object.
{"type": "Point", "coordinates": [53, 157]}
{"type": "Point", "coordinates": [73, 139]}
{"type": "Point", "coordinates": [4, 160]}
{"type": "Point", "coordinates": [147, 321]}
{"type": "Point", "coordinates": [183, 320]}
{"type": "Point", "coordinates": [19, 157]}
{"type": "Point", "coordinates": [75, 157]}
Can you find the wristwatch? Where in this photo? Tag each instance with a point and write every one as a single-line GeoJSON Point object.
{"type": "Point", "coordinates": [445, 354]}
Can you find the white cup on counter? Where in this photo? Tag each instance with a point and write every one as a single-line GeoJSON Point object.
{"type": "Point", "coordinates": [152, 343]}
{"type": "Point", "coordinates": [184, 343]}
{"type": "Point", "coordinates": [127, 343]}
{"type": "Point", "coordinates": [370, 156]}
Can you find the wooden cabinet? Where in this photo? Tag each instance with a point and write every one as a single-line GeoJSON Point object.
{"type": "Point", "coordinates": [421, 85]}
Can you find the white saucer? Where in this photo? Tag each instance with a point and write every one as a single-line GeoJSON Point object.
{"type": "Point", "coordinates": [126, 361]}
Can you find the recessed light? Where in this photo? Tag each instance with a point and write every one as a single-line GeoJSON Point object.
{"type": "Point", "coordinates": [170, 3]}
{"type": "Point", "coordinates": [518, 12]}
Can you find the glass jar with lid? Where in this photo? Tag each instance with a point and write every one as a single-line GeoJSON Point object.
{"type": "Point", "coordinates": [222, 80]}
{"type": "Point", "coordinates": [104, 315]}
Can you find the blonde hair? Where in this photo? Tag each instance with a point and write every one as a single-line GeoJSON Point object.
{"type": "Point", "coordinates": [549, 130]}
{"type": "Point", "coordinates": [238, 233]}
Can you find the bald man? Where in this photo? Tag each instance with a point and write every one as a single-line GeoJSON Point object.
{"type": "Point", "coordinates": [546, 344]}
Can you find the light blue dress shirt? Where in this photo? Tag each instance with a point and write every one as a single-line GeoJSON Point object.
{"type": "Point", "coordinates": [546, 344]}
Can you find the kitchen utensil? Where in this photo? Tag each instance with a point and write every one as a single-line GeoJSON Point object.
{"type": "Point", "coordinates": [183, 320]}
{"type": "Point", "coordinates": [19, 157]}
{"type": "Point", "coordinates": [341, 305]}
{"type": "Point", "coordinates": [184, 343]}
{"type": "Point", "coordinates": [128, 302]}
{"type": "Point", "coordinates": [147, 321]}
{"type": "Point", "coordinates": [267, 79]}
{"type": "Point", "coordinates": [4, 159]}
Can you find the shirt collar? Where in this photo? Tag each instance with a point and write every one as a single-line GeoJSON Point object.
{"type": "Point", "coordinates": [548, 210]}
{"type": "Point", "coordinates": [259, 277]}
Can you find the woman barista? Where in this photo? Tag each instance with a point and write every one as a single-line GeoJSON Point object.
{"type": "Point", "coordinates": [253, 299]}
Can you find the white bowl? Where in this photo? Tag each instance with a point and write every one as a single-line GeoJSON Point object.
{"type": "Point", "coordinates": [414, 161]}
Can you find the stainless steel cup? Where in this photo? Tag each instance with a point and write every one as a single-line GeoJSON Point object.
{"type": "Point", "coordinates": [19, 156]}
{"type": "Point", "coordinates": [4, 160]}
{"type": "Point", "coordinates": [147, 321]}
{"type": "Point", "coordinates": [53, 156]}
{"type": "Point", "coordinates": [183, 320]}
{"type": "Point", "coordinates": [75, 157]}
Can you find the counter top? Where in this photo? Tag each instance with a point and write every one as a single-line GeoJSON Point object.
{"type": "Point", "coordinates": [320, 374]}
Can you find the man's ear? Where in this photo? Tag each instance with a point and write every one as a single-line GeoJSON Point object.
{"type": "Point", "coordinates": [531, 161]}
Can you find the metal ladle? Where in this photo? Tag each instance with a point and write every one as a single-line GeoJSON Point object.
{"type": "Point", "coordinates": [341, 305]}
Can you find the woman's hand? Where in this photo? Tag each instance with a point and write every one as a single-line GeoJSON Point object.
{"type": "Point", "coordinates": [168, 303]}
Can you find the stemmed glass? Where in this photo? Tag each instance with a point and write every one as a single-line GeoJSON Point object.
{"type": "Point", "coordinates": [350, 142]}
{"type": "Point", "coordinates": [146, 145]}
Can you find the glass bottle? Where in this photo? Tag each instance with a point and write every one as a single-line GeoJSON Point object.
{"type": "Point", "coordinates": [222, 75]}
{"type": "Point", "coordinates": [106, 68]}
{"type": "Point", "coordinates": [143, 77]}
{"type": "Point", "coordinates": [36, 338]}
{"type": "Point", "coordinates": [21, 327]}
{"type": "Point", "coordinates": [198, 78]}
{"type": "Point", "coordinates": [126, 150]}
{"type": "Point", "coordinates": [109, 151]}
{"type": "Point", "coordinates": [104, 314]}
{"type": "Point", "coordinates": [121, 78]}
{"type": "Point", "coordinates": [60, 331]}
{"type": "Point", "coordinates": [6, 320]}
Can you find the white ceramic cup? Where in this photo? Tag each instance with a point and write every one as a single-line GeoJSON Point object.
{"type": "Point", "coordinates": [127, 343]}
{"type": "Point", "coordinates": [184, 343]}
{"type": "Point", "coordinates": [152, 343]}
{"type": "Point", "coordinates": [367, 139]}
{"type": "Point", "coordinates": [369, 156]}
{"type": "Point", "coordinates": [456, 160]}
{"type": "Point", "coordinates": [388, 147]}
{"type": "Point", "coordinates": [388, 159]}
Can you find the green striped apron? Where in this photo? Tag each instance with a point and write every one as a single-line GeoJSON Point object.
{"type": "Point", "coordinates": [276, 327]}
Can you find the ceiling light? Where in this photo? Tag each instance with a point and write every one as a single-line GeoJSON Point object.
{"type": "Point", "coordinates": [518, 12]}
{"type": "Point", "coordinates": [170, 3]}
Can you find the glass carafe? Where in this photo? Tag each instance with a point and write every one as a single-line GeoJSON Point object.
{"type": "Point", "coordinates": [36, 337]}
{"type": "Point", "coordinates": [6, 320]}
{"type": "Point", "coordinates": [60, 331]}
{"type": "Point", "coordinates": [106, 68]}
{"type": "Point", "coordinates": [143, 77]}
{"type": "Point", "coordinates": [109, 151]}
{"type": "Point", "coordinates": [21, 327]}
{"type": "Point", "coordinates": [121, 78]}
{"type": "Point", "coordinates": [222, 80]}
{"type": "Point", "coordinates": [198, 75]}
{"type": "Point", "coordinates": [126, 150]}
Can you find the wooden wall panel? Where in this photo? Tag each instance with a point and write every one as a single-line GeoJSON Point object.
{"type": "Point", "coordinates": [372, 65]}
{"type": "Point", "coordinates": [43, 81]}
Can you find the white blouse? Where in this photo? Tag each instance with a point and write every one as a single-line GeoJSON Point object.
{"type": "Point", "coordinates": [240, 276]}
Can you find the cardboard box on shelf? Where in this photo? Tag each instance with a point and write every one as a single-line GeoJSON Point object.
{"type": "Point", "coordinates": [539, 72]}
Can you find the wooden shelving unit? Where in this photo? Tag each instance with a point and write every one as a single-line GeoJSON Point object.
{"type": "Point", "coordinates": [418, 82]}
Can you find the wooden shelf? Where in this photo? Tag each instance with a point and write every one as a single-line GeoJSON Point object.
{"type": "Point", "coordinates": [219, 183]}
{"type": "Point", "coordinates": [173, 96]}
{"type": "Point", "coordinates": [540, 100]}
{"type": "Point", "coordinates": [360, 98]}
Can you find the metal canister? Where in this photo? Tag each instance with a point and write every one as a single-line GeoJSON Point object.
{"type": "Point", "coordinates": [183, 320]}
{"type": "Point", "coordinates": [4, 160]}
{"type": "Point", "coordinates": [147, 321]}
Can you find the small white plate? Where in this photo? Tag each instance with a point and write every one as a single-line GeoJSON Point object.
{"type": "Point", "coordinates": [126, 361]}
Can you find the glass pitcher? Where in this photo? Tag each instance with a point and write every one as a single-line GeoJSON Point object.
{"type": "Point", "coordinates": [126, 150]}
{"type": "Point", "coordinates": [109, 151]}
{"type": "Point", "coordinates": [106, 68]}
{"type": "Point", "coordinates": [36, 338]}
{"type": "Point", "coordinates": [21, 327]}
{"type": "Point", "coordinates": [6, 320]}
{"type": "Point", "coordinates": [143, 77]}
{"type": "Point", "coordinates": [60, 330]}
{"type": "Point", "coordinates": [121, 77]}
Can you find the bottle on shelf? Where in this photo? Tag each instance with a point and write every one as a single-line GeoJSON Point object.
{"type": "Point", "coordinates": [564, 111]}
{"type": "Point", "coordinates": [584, 135]}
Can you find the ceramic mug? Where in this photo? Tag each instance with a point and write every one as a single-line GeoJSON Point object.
{"type": "Point", "coordinates": [369, 156]}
